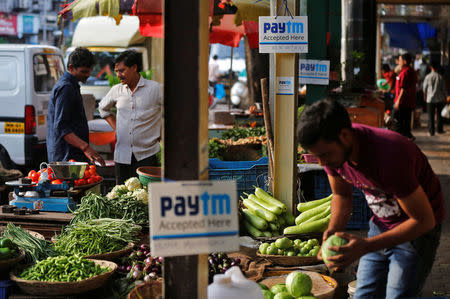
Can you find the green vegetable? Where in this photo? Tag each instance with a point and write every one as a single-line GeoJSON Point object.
{"type": "Point", "coordinates": [271, 250]}
{"type": "Point", "coordinates": [324, 214]}
{"type": "Point", "coordinates": [304, 206]}
{"type": "Point", "coordinates": [283, 295]}
{"type": "Point", "coordinates": [256, 221]}
{"type": "Point", "coordinates": [290, 219]}
{"type": "Point", "coordinates": [267, 234]}
{"type": "Point", "coordinates": [35, 249]}
{"type": "Point", "coordinates": [281, 221]}
{"type": "Point", "coordinates": [259, 210]}
{"type": "Point", "coordinates": [237, 133]}
{"type": "Point", "coordinates": [307, 297]}
{"type": "Point", "coordinates": [263, 195]}
{"type": "Point", "coordinates": [298, 284]}
{"type": "Point", "coordinates": [283, 243]}
{"type": "Point", "coordinates": [312, 212]}
{"type": "Point", "coordinates": [63, 269]}
{"type": "Point", "coordinates": [308, 227]}
{"type": "Point", "coordinates": [268, 206]}
{"type": "Point", "coordinates": [256, 233]}
{"type": "Point", "coordinates": [5, 242]}
{"type": "Point", "coordinates": [6, 253]}
{"type": "Point", "coordinates": [274, 226]}
{"type": "Point", "coordinates": [278, 288]}
{"type": "Point", "coordinates": [332, 240]}
{"type": "Point", "coordinates": [263, 286]}
{"type": "Point", "coordinates": [267, 294]}
{"type": "Point", "coordinates": [263, 248]}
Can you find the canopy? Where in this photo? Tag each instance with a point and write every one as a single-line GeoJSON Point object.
{"type": "Point", "coordinates": [410, 36]}
{"type": "Point", "coordinates": [224, 28]}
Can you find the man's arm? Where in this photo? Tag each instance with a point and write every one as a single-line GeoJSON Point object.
{"type": "Point", "coordinates": [111, 120]}
{"type": "Point", "coordinates": [421, 220]}
{"type": "Point", "coordinates": [88, 151]}
{"type": "Point", "coordinates": [400, 96]}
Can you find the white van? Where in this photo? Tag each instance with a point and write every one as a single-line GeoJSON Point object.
{"type": "Point", "coordinates": [27, 76]}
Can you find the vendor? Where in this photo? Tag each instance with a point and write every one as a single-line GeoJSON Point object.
{"type": "Point", "coordinates": [67, 126]}
{"type": "Point", "coordinates": [400, 188]}
{"type": "Point", "coordinates": [138, 123]}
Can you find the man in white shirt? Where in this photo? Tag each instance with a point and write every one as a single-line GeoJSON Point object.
{"type": "Point", "coordinates": [138, 121]}
{"type": "Point", "coordinates": [435, 95]}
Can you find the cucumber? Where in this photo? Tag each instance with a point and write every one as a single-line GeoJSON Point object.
{"type": "Point", "coordinates": [274, 226]}
{"type": "Point", "coordinates": [320, 216]}
{"type": "Point", "coordinates": [309, 227]}
{"type": "Point", "coordinates": [281, 221]}
{"type": "Point", "coordinates": [290, 219]}
{"type": "Point", "coordinates": [272, 208]}
{"type": "Point", "coordinates": [256, 221]}
{"type": "Point", "coordinates": [304, 206]}
{"type": "Point", "coordinates": [259, 210]}
{"type": "Point", "coordinates": [275, 233]}
{"type": "Point", "coordinates": [312, 212]}
{"type": "Point", "coordinates": [256, 233]}
{"type": "Point", "coordinates": [267, 234]}
{"type": "Point", "coordinates": [260, 193]}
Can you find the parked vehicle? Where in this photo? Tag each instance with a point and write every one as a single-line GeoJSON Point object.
{"type": "Point", "coordinates": [27, 76]}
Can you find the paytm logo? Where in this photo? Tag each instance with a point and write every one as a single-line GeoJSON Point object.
{"type": "Point", "coordinates": [285, 82]}
{"type": "Point", "coordinates": [206, 204]}
{"type": "Point", "coordinates": [313, 67]}
{"type": "Point", "coordinates": [286, 27]}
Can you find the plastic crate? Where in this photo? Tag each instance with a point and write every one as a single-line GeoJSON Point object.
{"type": "Point", "coordinates": [5, 287]}
{"type": "Point", "coordinates": [320, 188]}
{"type": "Point", "coordinates": [244, 172]}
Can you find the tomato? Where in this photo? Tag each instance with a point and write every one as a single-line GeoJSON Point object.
{"type": "Point", "coordinates": [35, 176]}
{"type": "Point", "coordinates": [97, 178]}
{"type": "Point", "coordinates": [30, 174]}
{"type": "Point", "coordinates": [72, 160]}
{"type": "Point", "coordinates": [90, 180]}
{"type": "Point", "coordinates": [93, 167]}
{"type": "Point", "coordinates": [92, 172]}
{"type": "Point", "coordinates": [57, 182]}
{"type": "Point", "coordinates": [87, 174]}
{"type": "Point", "coordinates": [76, 182]}
{"type": "Point", "coordinates": [81, 182]}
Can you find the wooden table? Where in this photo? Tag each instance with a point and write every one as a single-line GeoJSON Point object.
{"type": "Point", "coordinates": [45, 223]}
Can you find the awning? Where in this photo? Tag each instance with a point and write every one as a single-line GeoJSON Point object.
{"type": "Point", "coordinates": [410, 36]}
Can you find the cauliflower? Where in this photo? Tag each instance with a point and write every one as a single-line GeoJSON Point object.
{"type": "Point", "coordinates": [133, 184]}
{"type": "Point", "coordinates": [117, 191]}
{"type": "Point", "coordinates": [141, 195]}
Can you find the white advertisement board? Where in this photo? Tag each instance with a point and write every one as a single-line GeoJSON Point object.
{"type": "Point", "coordinates": [314, 71]}
{"type": "Point", "coordinates": [283, 34]}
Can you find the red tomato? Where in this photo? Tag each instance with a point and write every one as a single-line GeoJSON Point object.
{"type": "Point", "coordinates": [76, 182]}
{"type": "Point", "coordinates": [57, 182]}
{"type": "Point", "coordinates": [30, 174]}
{"type": "Point", "coordinates": [97, 178]}
{"type": "Point", "coordinates": [92, 172]}
{"type": "Point", "coordinates": [87, 174]}
{"type": "Point", "coordinates": [90, 180]}
{"type": "Point", "coordinates": [35, 176]}
{"type": "Point", "coordinates": [72, 160]}
{"type": "Point", "coordinates": [93, 167]}
{"type": "Point", "coordinates": [81, 182]}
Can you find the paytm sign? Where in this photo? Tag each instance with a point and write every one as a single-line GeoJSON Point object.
{"type": "Point", "coordinates": [314, 71]}
{"type": "Point", "coordinates": [193, 217]}
{"type": "Point", "coordinates": [283, 34]}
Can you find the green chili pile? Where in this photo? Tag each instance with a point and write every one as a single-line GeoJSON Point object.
{"type": "Point", "coordinates": [94, 206]}
{"type": "Point", "coordinates": [97, 236]}
{"type": "Point", "coordinates": [35, 249]}
{"type": "Point", "coordinates": [63, 269]}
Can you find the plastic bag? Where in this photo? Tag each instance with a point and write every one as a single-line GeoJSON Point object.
{"type": "Point", "coordinates": [446, 111]}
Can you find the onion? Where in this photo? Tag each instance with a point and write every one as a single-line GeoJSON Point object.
{"type": "Point", "coordinates": [144, 247]}
{"type": "Point", "coordinates": [138, 267]}
{"type": "Point", "coordinates": [152, 275]}
{"type": "Point", "coordinates": [148, 261]}
{"type": "Point", "coordinates": [137, 274]}
{"type": "Point", "coordinates": [146, 252]}
{"type": "Point", "coordinates": [133, 255]}
{"type": "Point", "coordinates": [160, 259]}
{"type": "Point", "coordinates": [147, 278]}
{"type": "Point", "coordinates": [128, 268]}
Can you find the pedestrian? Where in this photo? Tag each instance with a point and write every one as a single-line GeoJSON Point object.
{"type": "Point", "coordinates": [67, 125]}
{"type": "Point", "coordinates": [390, 78]}
{"type": "Point", "coordinates": [435, 95]}
{"type": "Point", "coordinates": [405, 97]}
{"type": "Point", "coordinates": [398, 67]}
{"type": "Point", "coordinates": [138, 120]}
{"type": "Point", "coordinates": [400, 188]}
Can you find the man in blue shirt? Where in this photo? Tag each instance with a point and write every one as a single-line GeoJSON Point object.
{"type": "Point", "coordinates": [67, 126]}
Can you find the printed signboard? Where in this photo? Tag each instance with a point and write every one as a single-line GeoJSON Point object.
{"type": "Point", "coordinates": [314, 71]}
{"type": "Point", "coordinates": [283, 34]}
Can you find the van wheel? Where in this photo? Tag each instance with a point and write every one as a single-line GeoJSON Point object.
{"type": "Point", "coordinates": [5, 159]}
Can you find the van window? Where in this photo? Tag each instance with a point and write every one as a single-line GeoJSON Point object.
{"type": "Point", "coordinates": [47, 69]}
{"type": "Point", "coordinates": [8, 73]}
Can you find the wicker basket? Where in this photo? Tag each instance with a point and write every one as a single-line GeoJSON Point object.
{"type": "Point", "coordinates": [5, 265]}
{"type": "Point", "coordinates": [282, 260]}
{"type": "Point", "coordinates": [148, 290]}
{"type": "Point", "coordinates": [35, 287]}
{"type": "Point", "coordinates": [112, 256]}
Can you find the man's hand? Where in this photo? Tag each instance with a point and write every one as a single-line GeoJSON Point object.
{"type": "Point", "coordinates": [350, 252]}
{"type": "Point", "coordinates": [93, 156]}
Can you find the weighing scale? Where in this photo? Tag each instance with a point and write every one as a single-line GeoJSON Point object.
{"type": "Point", "coordinates": [46, 196]}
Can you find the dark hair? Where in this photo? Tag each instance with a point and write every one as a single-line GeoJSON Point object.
{"type": "Point", "coordinates": [386, 67]}
{"type": "Point", "coordinates": [81, 57]}
{"type": "Point", "coordinates": [435, 65]}
{"type": "Point", "coordinates": [322, 120]}
{"type": "Point", "coordinates": [130, 58]}
{"type": "Point", "coordinates": [215, 57]}
{"type": "Point", "coordinates": [396, 56]}
{"type": "Point", "coordinates": [407, 57]}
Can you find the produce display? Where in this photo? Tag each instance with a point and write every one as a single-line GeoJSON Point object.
{"type": "Point", "coordinates": [298, 285]}
{"type": "Point", "coordinates": [90, 176]}
{"type": "Point", "coordinates": [141, 265]}
{"type": "Point", "coordinates": [264, 216]}
{"type": "Point", "coordinates": [332, 240]}
{"type": "Point", "coordinates": [97, 236]}
{"type": "Point", "coordinates": [314, 217]}
{"type": "Point", "coordinates": [8, 249]}
{"type": "Point", "coordinates": [287, 247]}
{"type": "Point", "coordinates": [35, 249]}
{"type": "Point", "coordinates": [219, 262]}
{"type": "Point", "coordinates": [95, 206]}
{"type": "Point", "coordinates": [62, 269]}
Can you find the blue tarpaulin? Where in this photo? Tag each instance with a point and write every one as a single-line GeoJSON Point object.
{"type": "Point", "coordinates": [410, 36]}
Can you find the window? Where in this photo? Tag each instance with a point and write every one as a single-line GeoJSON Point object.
{"type": "Point", "coordinates": [8, 73]}
{"type": "Point", "coordinates": [47, 68]}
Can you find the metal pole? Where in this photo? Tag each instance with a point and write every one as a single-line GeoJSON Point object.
{"type": "Point", "coordinates": [44, 27]}
{"type": "Point", "coordinates": [230, 78]}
